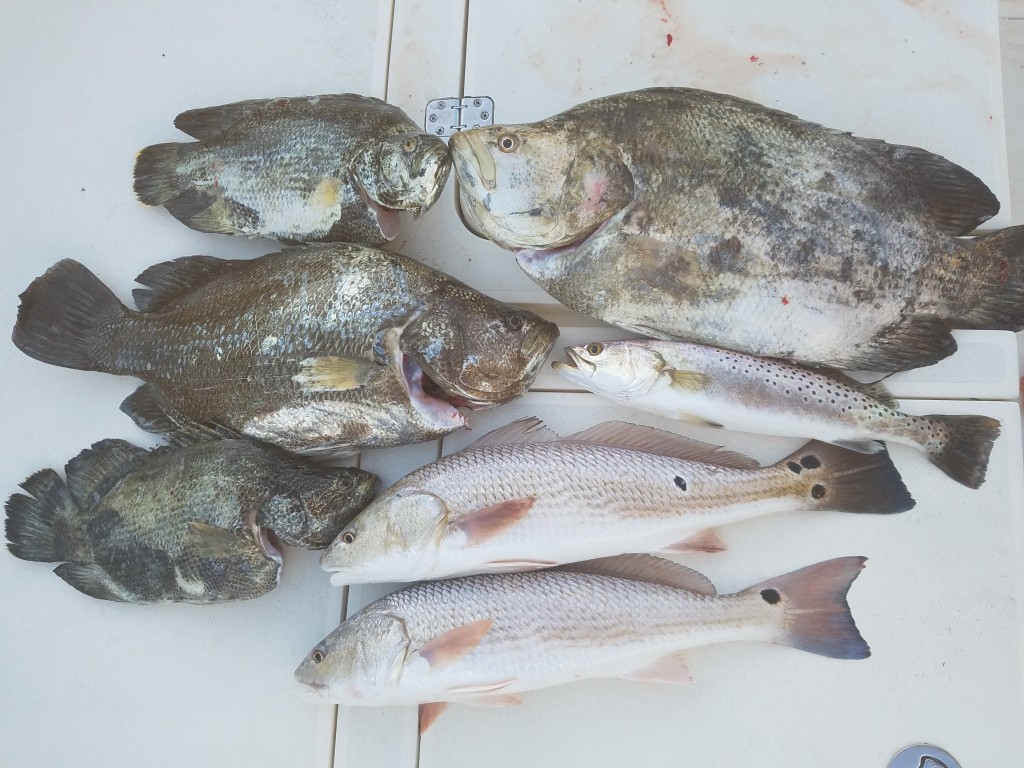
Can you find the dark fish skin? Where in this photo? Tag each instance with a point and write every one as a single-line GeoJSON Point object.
{"type": "Point", "coordinates": [333, 168]}
{"type": "Point", "coordinates": [319, 348]}
{"type": "Point", "coordinates": [180, 524]}
{"type": "Point", "coordinates": [689, 215]}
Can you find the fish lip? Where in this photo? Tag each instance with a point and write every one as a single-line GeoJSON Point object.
{"type": "Point", "coordinates": [314, 692]}
{"type": "Point", "coordinates": [271, 547]}
{"type": "Point", "coordinates": [472, 160]}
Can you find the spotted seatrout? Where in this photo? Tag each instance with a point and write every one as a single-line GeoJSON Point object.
{"type": "Point", "coordinates": [187, 523]}
{"type": "Point", "coordinates": [324, 168]}
{"type": "Point", "coordinates": [318, 348]}
{"type": "Point", "coordinates": [688, 215]}
{"type": "Point", "coordinates": [720, 388]}
{"type": "Point", "coordinates": [522, 498]}
{"type": "Point", "coordinates": [486, 639]}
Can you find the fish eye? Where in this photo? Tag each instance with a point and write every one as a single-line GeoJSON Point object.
{"type": "Point", "coordinates": [345, 483]}
{"type": "Point", "coordinates": [410, 144]}
{"type": "Point", "coordinates": [508, 142]}
{"type": "Point", "coordinates": [514, 322]}
{"type": "Point", "coordinates": [348, 537]}
{"type": "Point", "coordinates": [318, 656]}
{"type": "Point", "coordinates": [595, 349]}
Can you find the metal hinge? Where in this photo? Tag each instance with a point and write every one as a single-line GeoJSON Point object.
{"type": "Point", "coordinates": [443, 117]}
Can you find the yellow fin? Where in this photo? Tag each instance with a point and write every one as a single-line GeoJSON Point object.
{"type": "Point", "coordinates": [333, 374]}
{"type": "Point", "coordinates": [449, 647]}
{"type": "Point", "coordinates": [212, 541]}
{"type": "Point", "coordinates": [690, 380]}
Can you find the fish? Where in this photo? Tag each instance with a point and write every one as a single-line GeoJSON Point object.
{"type": "Point", "coordinates": [487, 639]}
{"type": "Point", "coordinates": [197, 521]}
{"type": "Point", "coordinates": [320, 349]}
{"type": "Point", "coordinates": [331, 168]}
{"type": "Point", "coordinates": [720, 388]}
{"type": "Point", "coordinates": [687, 215]}
{"type": "Point", "coordinates": [523, 498]}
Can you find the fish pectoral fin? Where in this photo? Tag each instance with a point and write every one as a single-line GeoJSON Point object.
{"type": "Point", "coordinates": [90, 579]}
{"type": "Point", "coordinates": [646, 568]}
{"type": "Point", "coordinates": [860, 446]}
{"type": "Point", "coordinates": [429, 712]}
{"type": "Point", "coordinates": [334, 374]}
{"type": "Point", "coordinates": [669, 669]}
{"type": "Point", "coordinates": [705, 541]}
{"type": "Point", "coordinates": [689, 381]}
{"type": "Point", "coordinates": [215, 542]}
{"type": "Point", "coordinates": [483, 524]}
{"type": "Point", "coordinates": [450, 646]}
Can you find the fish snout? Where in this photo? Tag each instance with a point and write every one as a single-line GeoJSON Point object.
{"type": "Point", "coordinates": [473, 161]}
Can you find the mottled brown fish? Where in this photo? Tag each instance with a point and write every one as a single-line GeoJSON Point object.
{"type": "Point", "coordinates": [189, 523]}
{"type": "Point", "coordinates": [318, 349]}
{"type": "Point", "coordinates": [688, 215]}
{"type": "Point", "coordinates": [335, 168]}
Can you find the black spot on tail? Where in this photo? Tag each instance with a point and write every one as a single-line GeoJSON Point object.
{"type": "Point", "coordinates": [770, 596]}
{"type": "Point", "coordinates": [818, 491]}
{"type": "Point", "coordinates": [810, 461]}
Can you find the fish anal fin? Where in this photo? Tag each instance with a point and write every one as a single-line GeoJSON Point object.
{"type": "Point", "coordinates": [450, 646]}
{"type": "Point", "coordinates": [669, 669]}
{"type": "Point", "coordinates": [483, 524]}
{"type": "Point", "coordinates": [619, 434]}
{"type": "Point", "coordinates": [152, 412]}
{"type": "Point", "coordinates": [501, 700]}
{"type": "Point", "coordinates": [646, 568]}
{"type": "Point", "coordinates": [334, 373]}
{"type": "Point", "coordinates": [704, 541]}
{"type": "Point", "coordinates": [429, 713]}
{"type": "Point", "coordinates": [170, 280]}
{"type": "Point", "coordinates": [90, 579]}
{"type": "Point", "coordinates": [209, 210]}
{"type": "Point", "coordinates": [911, 343]}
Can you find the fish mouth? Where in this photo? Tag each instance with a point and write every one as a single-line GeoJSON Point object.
{"type": "Point", "coordinates": [270, 544]}
{"type": "Point", "coordinates": [315, 692]}
{"type": "Point", "coordinates": [428, 398]}
{"type": "Point", "coordinates": [473, 162]}
{"type": "Point", "coordinates": [577, 369]}
{"type": "Point", "coordinates": [387, 218]}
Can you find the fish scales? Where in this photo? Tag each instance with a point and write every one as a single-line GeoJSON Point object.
{"type": "Point", "coordinates": [317, 348]}
{"type": "Point", "coordinates": [707, 218]}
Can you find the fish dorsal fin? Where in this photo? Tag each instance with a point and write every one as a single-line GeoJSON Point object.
{"type": "Point", "coordinates": [957, 200]}
{"type": "Point", "coordinates": [646, 568]}
{"type": "Point", "coordinates": [94, 471]}
{"type": "Point", "coordinates": [209, 122]}
{"type": "Point", "coordinates": [634, 437]}
{"type": "Point", "coordinates": [528, 430]}
{"type": "Point", "coordinates": [151, 411]}
{"type": "Point", "coordinates": [170, 280]}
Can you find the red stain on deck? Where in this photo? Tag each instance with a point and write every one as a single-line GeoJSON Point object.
{"type": "Point", "coordinates": [785, 300]}
{"type": "Point", "coordinates": [668, 39]}
{"type": "Point", "coordinates": [753, 59]}
{"type": "Point", "coordinates": [665, 9]}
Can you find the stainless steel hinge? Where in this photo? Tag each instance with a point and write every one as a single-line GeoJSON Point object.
{"type": "Point", "coordinates": [443, 117]}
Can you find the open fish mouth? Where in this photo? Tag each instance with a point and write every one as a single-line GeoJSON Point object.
{"type": "Point", "coordinates": [387, 218]}
{"type": "Point", "coordinates": [429, 398]}
{"type": "Point", "coordinates": [271, 545]}
{"type": "Point", "coordinates": [577, 369]}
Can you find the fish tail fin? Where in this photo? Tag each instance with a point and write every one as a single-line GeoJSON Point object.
{"type": "Point", "coordinates": [999, 300]}
{"type": "Point", "coordinates": [828, 477]}
{"type": "Point", "coordinates": [963, 454]}
{"type": "Point", "coordinates": [37, 524]}
{"type": "Point", "coordinates": [156, 173]}
{"type": "Point", "coordinates": [817, 616]}
{"type": "Point", "coordinates": [66, 316]}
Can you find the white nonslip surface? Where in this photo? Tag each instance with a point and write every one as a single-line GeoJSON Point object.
{"type": "Point", "coordinates": [88, 683]}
